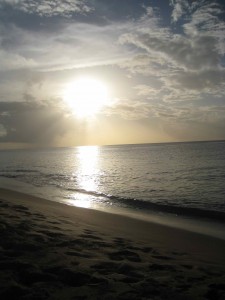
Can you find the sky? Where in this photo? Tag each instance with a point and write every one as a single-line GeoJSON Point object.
{"type": "Point", "coordinates": [161, 64]}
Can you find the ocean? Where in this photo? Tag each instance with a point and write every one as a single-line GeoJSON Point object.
{"type": "Point", "coordinates": [178, 178]}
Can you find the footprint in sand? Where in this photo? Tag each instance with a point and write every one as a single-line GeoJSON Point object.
{"type": "Point", "coordinates": [4, 205]}
{"type": "Point", "coordinates": [109, 267]}
{"type": "Point", "coordinates": [78, 254]}
{"type": "Point", "coordinates": [39, 216]}
{"type": "Point", "coordinates": [164, 257]}
{"type": "Point", "coordinates": [90, 236]}
{"type": "Point", "coordinates": [124, 255]}
{"type": "Point", "coordinates": [70, 277]}
{"type": "Point", "coordinates": [161, 267]}
{"type": "Point", "coordinates": [19, 207]}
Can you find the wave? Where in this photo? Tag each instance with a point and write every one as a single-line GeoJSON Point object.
{"type": "Point", "coordinates": [139, 204]}
{"type": "Point", "coordinates": [19, 171]}
{"type": "Point", "coordinates": [40, 179]}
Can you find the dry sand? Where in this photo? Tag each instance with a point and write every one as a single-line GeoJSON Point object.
{"type": "Point", "coordinates": [53, 251]}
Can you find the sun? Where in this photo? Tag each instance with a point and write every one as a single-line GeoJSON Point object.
{"type": "Point", "coordinates": [86, 96]}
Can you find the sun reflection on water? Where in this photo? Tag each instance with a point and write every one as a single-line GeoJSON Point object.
{"type": "Point", "coordinates": [87, 175]}
{"type": "Point", "coordinates": [88, 167]}
{"type": "Point", "coordinates": [80, 200]}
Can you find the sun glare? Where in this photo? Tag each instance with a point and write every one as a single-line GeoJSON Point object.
{"type": "Point", "coordinates": [86, 96]}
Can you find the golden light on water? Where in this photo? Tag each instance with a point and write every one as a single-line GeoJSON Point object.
{"type": "Point", "coordinates": [88, 167]}
{"type": "Point", "coordinates": [83, 201]}
{"type": "Point", "coordinates": [87, 175]}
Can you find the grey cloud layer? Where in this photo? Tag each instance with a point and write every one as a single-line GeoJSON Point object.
{"type": "Point", "coordinates": [47, 8]}
{"type": "Point", "coordinates": [73, 46]}
{"type": "Point", "coordinates": [32, 122]}
{"type": "Point", "coordinates": [200, 47]}
{"type": "Point", "coordinates": [189, 64]}
{"type": "Point", "coordinates": [174, 68]}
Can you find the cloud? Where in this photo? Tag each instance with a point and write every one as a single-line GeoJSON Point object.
{"type": "Point", "coordinates": [188, 51]}
{"type": "Point", "coordinates": [47, 8]}
{"type": "Point", "coordinates": [159, 69]}
{"type": "Point", "coordinates": [188, 61]}
{"type": "Point", "coordinates": [207, 80]}
{"type": "Point", "coordinates": [190, 121]}
{"type": "Point", "coordinates": [179, 9]}
{"type": "Point", "coordinates": [146, 90]}
{"type": "Point", "coordinates": [15, 61]}
{"type": "Point", "coordinates": [205, 17]}
{"type": "Point", "coordinates": [179, 51]}
{"type": "Point", "coordinates": [75, 45]}
{"type": "Point", "coordinates": [129, 110]}
{"type": "Point", "coordinates": [196, 122]}
{"type": "Point", "coordinates": [33, 122]}
{"type": "Point", "coordinates": [186, 121]}
{"type": "Point", "coordinates": [3, 131]}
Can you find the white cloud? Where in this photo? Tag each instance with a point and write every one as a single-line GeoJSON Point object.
{"type": "Point", "coordinates": [179, 9]}
{"type": "Point", "coordinates": [188, 62]}
{"type": "Point", "coordinates": [76, 45]}
{"type": "Point", "coordinates": [182, 52]}
{"type": "Point", "coordinates": [15, 61]}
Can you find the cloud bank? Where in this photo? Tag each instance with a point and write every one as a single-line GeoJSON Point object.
{"type": "Point", "coordinates": [166, 63]}
{"type": "Point", "coordinates": [47, 8]}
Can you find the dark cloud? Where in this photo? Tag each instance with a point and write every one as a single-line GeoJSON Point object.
{"type": "Point", "coordinates": [117, 10]}
{"type": "Point", "coordinates": [50, 16]}
{"type": "Point", "coordinates": [209, 80]}
{"type": "Point", "coordinates": [193, 54]}
{"type": "Point", "coordinates": [46, 8]}
{"type": "Point", "coordinates": [29, 122]}
{"type": "Point", "coordinates": [46, 16]}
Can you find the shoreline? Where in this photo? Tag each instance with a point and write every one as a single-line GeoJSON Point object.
{"type": "Point", "coordinates": [143, 208]}
{"type": "Point", "coordinates": [53, 251]}
{"type": "Point", "coordinates": [107, 221]}
{"type": "Point", "coordinates": [175, 218]}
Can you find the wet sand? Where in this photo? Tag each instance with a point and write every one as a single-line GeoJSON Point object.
{"type": "Point", "coordinates": [53, 251]}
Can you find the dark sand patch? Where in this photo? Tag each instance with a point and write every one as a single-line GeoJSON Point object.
{"type": "Point", "coordinates": [39, 260]}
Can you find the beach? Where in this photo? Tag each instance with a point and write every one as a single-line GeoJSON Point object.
{"type": "Point", "coordinates": [50, 250]}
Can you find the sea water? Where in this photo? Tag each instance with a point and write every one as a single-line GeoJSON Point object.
{"type": "Point", "coordinates": [181, 178]}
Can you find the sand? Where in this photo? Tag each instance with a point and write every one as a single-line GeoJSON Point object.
{"type": "Point", "coordinates": [53, 251]}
